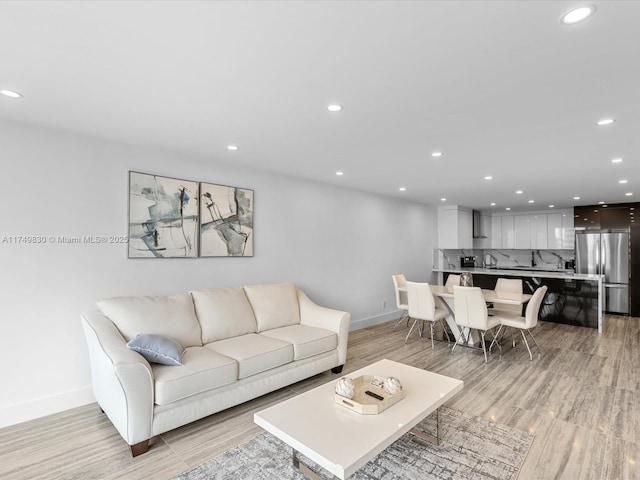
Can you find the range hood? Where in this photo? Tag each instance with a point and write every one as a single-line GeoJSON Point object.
{"type": "Point", "coordinates": [477, 225]}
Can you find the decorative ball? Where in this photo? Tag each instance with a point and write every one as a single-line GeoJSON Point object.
{"type": "Point", "coordinates": [392, 385]}
{"type": "Point", "coordinates": [346, 387]}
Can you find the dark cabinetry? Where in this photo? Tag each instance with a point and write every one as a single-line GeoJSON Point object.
{"type": "Point", "coordinates": [587, 217]}
{"type": "Point", "coordinates": [614, 218]}
{"type": "Point", "coordinates": [634, 287]}
{"type": "Point", "coordinates": [605, 217]}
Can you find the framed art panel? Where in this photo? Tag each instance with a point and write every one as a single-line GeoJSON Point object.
{"type": "Point", "coordinates": [226, 221]}
{"type": "Point", "coordinates": [163, 217]}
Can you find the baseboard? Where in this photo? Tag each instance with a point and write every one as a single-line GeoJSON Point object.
{"type": "Point", "coordinates": [42, 407]}
{"type": "Point", "coordinates": [369, 321]}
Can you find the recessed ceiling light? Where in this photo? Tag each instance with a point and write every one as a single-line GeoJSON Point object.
{"type": "Point", "coordinates": [402, 189]}
{"type": "Point", "coordinates": [443, 199]}
{"type": "Point", "coordinates": [232, 147]}
{"type": "Point", "coordinates": [493, 204]}
{"type": "Point", "coordinates": [629, 194]}
{"type": "Point", "coordinates": [519, 192]}
{"type": "Point", "coordinates": [339, 174]}
{"type": "Point", "coordinates": [578, 14]}
{"type": "Point", "coordinates": [552, 206]}
{"type": "Point", "coordinates": [436, 154]}
{"type": "Point", "coordinates": [576, 198]}
{"type": "Point", "coordinates": [334, 108]}
{"type": "Point", "coordinates": [530, 201]}
{"type": "Point", "coordinates": [606, 121]}
{"type": "Point", "coordinates": [488, 177]}
{"type": "Point", "coordinates": [616, 160]}
{"type": "Point", "coordinates": [508, 208]}
{"type": "Point", "coordinates": [11, 93]}
{"type": "Point", "coordinates": [623, 181]}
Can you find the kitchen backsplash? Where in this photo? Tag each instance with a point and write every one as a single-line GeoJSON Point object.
{"type": "Point", "coordinates": [447, 258]}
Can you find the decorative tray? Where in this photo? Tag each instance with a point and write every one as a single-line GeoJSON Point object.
{"type": "Point", "coordinates": [365, 404]}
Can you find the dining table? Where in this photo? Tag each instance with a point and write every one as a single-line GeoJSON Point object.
{"type": "Point", "coordinates": [445, 296]}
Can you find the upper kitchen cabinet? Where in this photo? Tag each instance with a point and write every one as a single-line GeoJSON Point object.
{"type": "Point", "coordinates": [604, 217]}
{"type": "Point", "coordinates": [554, 231]}
{"type": "Point", "coordinates": [568, 231]}
{"type": "Point", "coordinates": [560, 231]}
{"type": "Point", "coordinates": [522, 231]}
{"type": "Point", "coordinates": [508, 230]}
{"type": "Point", "coordinates": [615, 218]}
{"type": "Point", "coordinates": [495, 240]}
{"type": "Point", "coordinates": [586, 218]}
{"type": "Point", "coordinates": [531, 231]}
{"type": "Point", "coordinates": [539, 231]}
{"type": "Point", "coordinates": [455, 227]}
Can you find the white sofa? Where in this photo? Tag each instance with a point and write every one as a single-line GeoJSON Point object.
{"type": "Point", "coordinates": [240, 343]}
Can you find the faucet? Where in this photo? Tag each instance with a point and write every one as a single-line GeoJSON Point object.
{"type": "Point", "coordinates": [560, 259]}
{"type": "Point", "coordinates": [533, 259]}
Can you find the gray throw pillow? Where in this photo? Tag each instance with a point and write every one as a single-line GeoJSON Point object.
{"type": "Point", "coordinates": [157, 349]}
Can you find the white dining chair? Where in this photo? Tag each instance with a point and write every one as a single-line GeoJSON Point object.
{"type": "Point", "coordinates": [524, 324]}
{"type": "Point", "coordinates": [422, 307]}
{"type": "Point", "coordinates": [400, 285]}
{"type": "Point", "coordinates": [508, 285]}
{"type": "Point", "coordinates": [452, 280]}
{"type": "Point", "coordinates": [471, 314]}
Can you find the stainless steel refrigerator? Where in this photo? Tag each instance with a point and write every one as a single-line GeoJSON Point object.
{"type": "Point", "coordinates": [607, 254]}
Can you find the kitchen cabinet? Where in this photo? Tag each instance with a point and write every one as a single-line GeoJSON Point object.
{"type": "Point", "coordinates": [587, 217]}
{"type": "Point", "coordinates": [539, 231]}
{"type": "Point", "coordinates": [560, 231]}
{"type": "Point", "coordinates": [555, 232]}
{"type": "Point", "coordinates": [455, 227]}
{"type": "Point", "coordinates": [634, 270]}
{"type": "Point", "coordinates": [568, 231]}
{"type": "Point", "coordinates": [508, 232]}
{"type": "Point", "coordinates": [522, 225]}
{"type": "Point", "coordinates": [604, 217]}
{"type": "Point", "coordinates": [531, 231]}
{"type": "Point", "coordinates": [614, 218]}
{"type": "Point", "coordinates": [496, 232]}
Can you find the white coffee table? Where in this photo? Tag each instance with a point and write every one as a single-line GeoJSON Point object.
{"type": "Point", "coordinates": [342, 441]}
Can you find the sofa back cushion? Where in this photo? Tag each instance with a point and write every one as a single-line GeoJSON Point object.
{"type": "Point", "coordinates": [223, 313]}
{"type": "Point", "coordinates": [274, 305]}
{"type": "Point", "coordinates": [171, 316]}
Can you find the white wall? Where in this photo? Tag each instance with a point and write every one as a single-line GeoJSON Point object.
{"type": "Point", "coordinates": [340, 246]}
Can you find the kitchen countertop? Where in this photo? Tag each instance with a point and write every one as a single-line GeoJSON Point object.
{"type": "Point", "coordinates": [524, 272]}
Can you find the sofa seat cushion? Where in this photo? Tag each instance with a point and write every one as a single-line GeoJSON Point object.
{"type": "Point", "coordinates": [307, 341]}
{"type": "Point", "coordinates": [254, 353]}
{"type": "Point", "coordinates": [170, 316]}
{"type": "Point", "coordinates": [202, 369]}
{"type": "Point", "coordinates": [274, 305]}
{"type": "Point", "coordinates": [223, 313]}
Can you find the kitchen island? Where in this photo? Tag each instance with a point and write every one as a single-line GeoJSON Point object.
{"type": "Point", "coordinates": [571, 299]}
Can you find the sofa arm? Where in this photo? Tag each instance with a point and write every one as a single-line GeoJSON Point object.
{"type": "Point", "coordinates": [122, 379]}
{"type": "Point", "coordinates": [314, 315]}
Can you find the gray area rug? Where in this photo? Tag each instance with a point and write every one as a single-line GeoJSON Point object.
{"type": "Point", "coordinates": [470, 448]}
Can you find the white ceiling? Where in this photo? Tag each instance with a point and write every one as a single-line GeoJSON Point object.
{"type": "Point", "coordinates": [502, 88]}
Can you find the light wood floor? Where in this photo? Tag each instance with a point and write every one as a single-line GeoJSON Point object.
{"type": "Point", "coordinates": [581, 399]}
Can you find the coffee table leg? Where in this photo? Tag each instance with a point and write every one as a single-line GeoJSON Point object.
{"type": "Point", "coordinates": [306, 471]}
{"type": "Point", "coordinates": [425, 436]}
